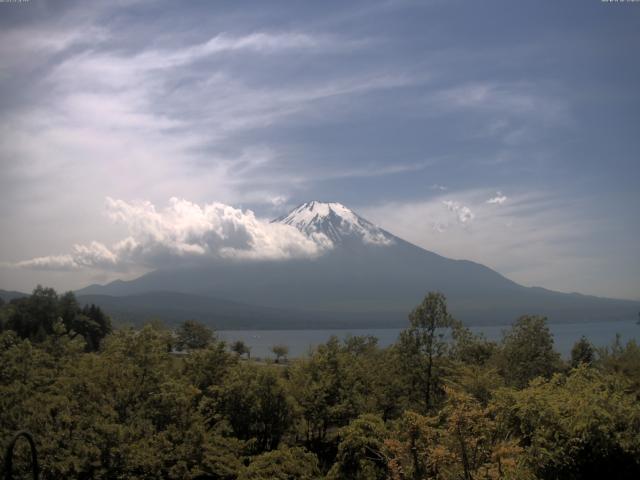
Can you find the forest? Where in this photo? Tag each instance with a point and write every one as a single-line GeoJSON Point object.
{"type": "Point", "coordinates": [441, 403]}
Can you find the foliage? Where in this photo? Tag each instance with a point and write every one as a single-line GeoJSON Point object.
{"type": "Point", "coordinates": [241, 348]}
{"type": "Point", "coordinates": [280, 351]}
{"type": "Point", "coordinates": [464, 441]}
{"type": "Point", "coordinates": [283, 464]}
{"type": "Point", "coordinates": [527, 351]}
{"type": "Point", "coordinates": [622, 361]}
{"type": "Point", "coordinates": [254, 402]}
{"type": "Point", "coordinates": [192, 335]}
{"type": "Point", "coordinates": [125, 405]}
{"type": "Point", "coordinates": [209, 366]}
{"type": "Point", "coordinates": [360, 452]}
{"type": "Point", "coordinates": [582, 352]}
{"type": "Point", "coordinates": [34, 317]}
{"type": "Point", "coordinates": [423, 345]}
{"type": "Point", "coordinates": [469, 348]}
{"type": "Point", "coordinates": [584, 425]}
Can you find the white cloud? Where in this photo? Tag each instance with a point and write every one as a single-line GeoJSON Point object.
{"type": "Point", "coordinates": [105, 115]}
{"type": "Point", "coordinates": [183, 231]}
{"type": "Point", "coordinates": [278, 200]}
{"type": "Point", "coordinates": [498, 199]}
{"type": "Point", "coordinates": [93, 255]}
{"type": "Point", "coordinates": [50, 262]}
{"type": "Point", "coordinates": [463, 213]}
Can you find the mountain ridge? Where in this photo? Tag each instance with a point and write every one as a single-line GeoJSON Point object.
{"type": "Point", "coordinates": [358, 279]}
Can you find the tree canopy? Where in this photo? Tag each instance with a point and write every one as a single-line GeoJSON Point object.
{"type": "Point", "coordinates": [125, 405]}
{"type": "Point", "coordinates": [35, 317]}
{"type": "Point", "coordinates": [193, 335]}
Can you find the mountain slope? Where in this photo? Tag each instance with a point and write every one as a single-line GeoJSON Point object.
{"type": "Point", "coordinates": [173, 307]}
{"type": "Point", "coordinates": [8, 295]}
{"type": "Point", "coordinates": [367, 273]}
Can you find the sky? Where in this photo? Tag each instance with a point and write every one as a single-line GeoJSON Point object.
{"type": "Point", "coordinates": [137, 132]}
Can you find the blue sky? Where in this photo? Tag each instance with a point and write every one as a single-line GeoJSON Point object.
{"type": "Point", "coordinates": [414, 114]}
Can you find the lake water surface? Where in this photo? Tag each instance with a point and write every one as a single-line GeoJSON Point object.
{"type": "Point", "coordinates": [301, 341]}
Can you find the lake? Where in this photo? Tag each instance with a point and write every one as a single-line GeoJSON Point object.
{"type": "Point", "coordinates": [300, 342]}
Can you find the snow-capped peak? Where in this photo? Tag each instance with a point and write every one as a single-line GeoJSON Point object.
{"type": "Point", "coordinates": [337, 222]}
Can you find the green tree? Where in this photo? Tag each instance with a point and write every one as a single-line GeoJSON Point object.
{"type": "Point", "coordinates": [470, 348]}
{"type": "Point", "coordinates": [241, 348]}
{"type": "Point", "coordinates": [622, 361]}
{"type": "Point", "coordinates": [463, 441]}
{"type": "Point", "coordinates": [527, 352]}
{"type": "Point", "coordinates": [423, 345]}
{"type": "Point", "coordinates": [280, 351]}
{"type": "Point", "coordinates": [474, 444]}
{"type": "Point", "coordinates": [582, 352]}
{"type": "Point", "coordinates": [407, 447]}
{"type": "Point", "coordinates": [209, 366]}
{"type": "Point", "coordinates": [332, 387]}
{"type": "Point", "coordinates": [360, 451]}
{"type": "Point", "coordinates": [253, 400]}
{"type": "Point", "coordinates": [193, 335]}
{"type": "Point", "coordinates": [34, 317]}
{"type": "Point", "coordinates": [584, 425]}
{"type": "Point", "coordinates": [479, 381]}
{"type": "Point", "coordinates": [285, 463]}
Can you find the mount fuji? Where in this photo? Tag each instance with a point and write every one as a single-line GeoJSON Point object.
{"type": "Point", "coordinates": [335, 221]}
{"type": "Point", "coordinates": [366, 277]}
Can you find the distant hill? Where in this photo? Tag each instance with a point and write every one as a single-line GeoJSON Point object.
{"type": "Point", "coordinates": [368, 277]}
{"type": "Point", "coordinates": [8, 295]}
{"type": "Point", "coordinates": [174, 307]}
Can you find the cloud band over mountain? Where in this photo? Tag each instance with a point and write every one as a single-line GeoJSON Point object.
{"type": "Point", "coordinates": [185, 231]}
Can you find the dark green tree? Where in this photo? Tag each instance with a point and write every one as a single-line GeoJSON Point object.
{"type": "Point", "coordinates": [241, 348]}
{"type": "Point", "coordinates": [93, 324]}
{"type": "Point", "coordinates": [622, 361]}
{"type": "Point", "coordinates": [193, 335]}
{"type": "Point", "coordinates": [360, 452]}
{"type": "Point", "coordinates": [470, 348]}
{"type": "Point", "coordinates": [253, 400]}
{"type": "Point", "coordinates": [527, 352]}
{"type": "Point", "coordinates": [34, 317]}
{"type": "Point", "coordinates": [423, 345]}
{"type": "Point", "coordinates": [582, 352]}
{"type": "Point", "coordinates": [208, 366]}
{"type": "Point", "coordinates": [324, 392]}
{"type": "Point", "coordinates": [585, 425]}
{"type": "Point", "coordinates": [280, 351]}
{"type": "Point", "coordinates": [285, 463]}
